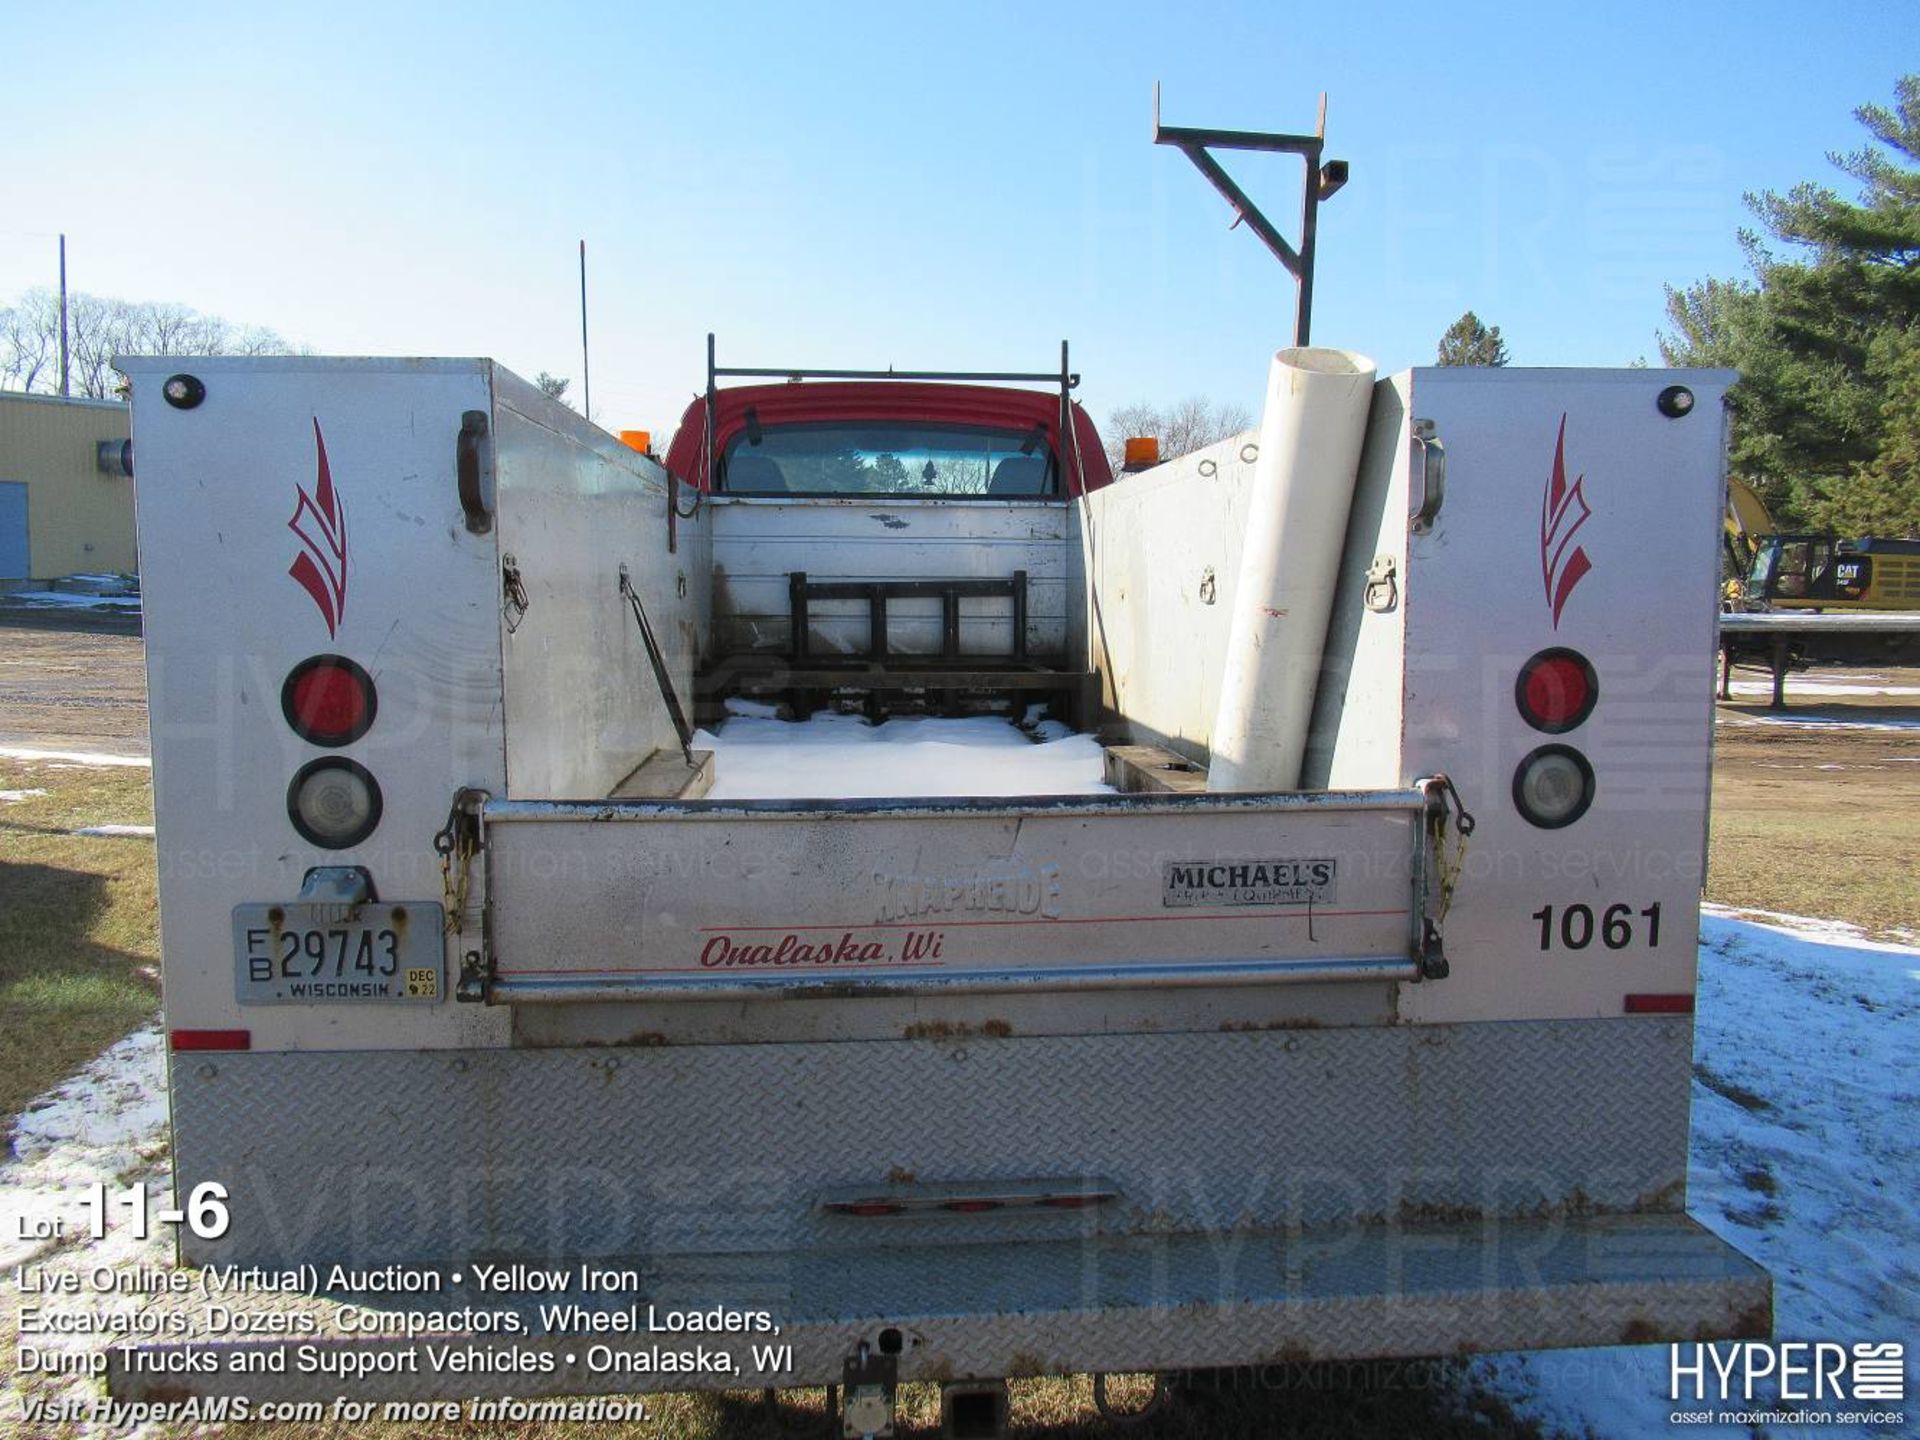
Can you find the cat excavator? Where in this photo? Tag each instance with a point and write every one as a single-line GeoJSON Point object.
{"type": "Point", "coordinates": [1795, 598]}
{"type": "Point", "coordinates": [1771, 569]}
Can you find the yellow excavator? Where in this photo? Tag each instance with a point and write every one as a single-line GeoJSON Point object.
{"type": "Point", "coordinates": [1773, 570]}
{"type": "Point", "coordinates": [1795, 599]}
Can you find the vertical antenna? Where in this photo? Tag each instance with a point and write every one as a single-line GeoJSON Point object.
{"type": "Point", "coordinates": [63, 317]}
{"type": "Point", "coordinates": [586, 374]}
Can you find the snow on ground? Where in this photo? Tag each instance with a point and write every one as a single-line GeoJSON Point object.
{"type": "Point", "coordinates": [71, 757]}
{"type": "Point", "coordinates": [1805, 1157]}
{"type": "Point", "coordinates": [104, 1124]}
{"type": "Point", "coordinates": [760, 757]}
{"type": "Point", "coordinates": [1856, 685]}
{"type": "Point", "coordinates": [12, 797]}
{"type": "Point", "coordinates": [1813, 722]}
{"type": "Point", "coordinates": [83, 600]}
{"type": "Point", "coordinates": [142, 831]}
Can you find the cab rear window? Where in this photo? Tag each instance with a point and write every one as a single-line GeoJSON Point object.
{"type": "Point", "coordinates": [889, 458]}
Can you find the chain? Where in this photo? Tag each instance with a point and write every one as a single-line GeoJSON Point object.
{"type": "Point", "coordinates": [457, 842]}
{"type": "Point", "coordinates": [1449, 867]}
{"type": "Point", "coordinates": [514, 604]}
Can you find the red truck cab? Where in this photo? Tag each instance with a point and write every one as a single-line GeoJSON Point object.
{"type": "Point", "coordinates": [912, 538]}
{"type": "Point", "coordinates": [893, 439]}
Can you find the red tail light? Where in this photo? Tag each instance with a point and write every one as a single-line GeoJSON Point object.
{"type": "Point", "coordinates": [1659, 1004]}
{"type": "Point", "coordinates": [328, 700]}
{"type": "Point", "coordinates": [209, 1039]}
{"type": "Point", "coordinates": [1556, 691]}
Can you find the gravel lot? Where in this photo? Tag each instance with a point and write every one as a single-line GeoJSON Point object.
{"type": "Point", "coordinates": [66, 688]}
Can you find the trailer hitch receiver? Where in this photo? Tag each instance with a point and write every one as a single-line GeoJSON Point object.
{"type": "Point", "coordinates": [870, 1381]}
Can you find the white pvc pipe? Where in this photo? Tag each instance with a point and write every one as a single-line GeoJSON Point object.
{"type": "Point", "coordinates": [1310, 437]}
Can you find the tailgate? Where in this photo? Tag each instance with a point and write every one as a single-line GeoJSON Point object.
{"type": "Point", "coordinates": [634, 900]}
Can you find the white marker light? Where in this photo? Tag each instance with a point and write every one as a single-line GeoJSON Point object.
{"type": "Point", "coordinates": [1553, 786]}
{"type": "Point", "coordinates": [334, 803]}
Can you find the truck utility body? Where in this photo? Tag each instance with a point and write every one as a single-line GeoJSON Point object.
{"type": "Point", "coordinates": [955, 1089]}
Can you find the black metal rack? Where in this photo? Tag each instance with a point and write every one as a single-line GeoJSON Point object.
{"type": "Point", "coordinates": [876, 593]}
{"type": "Point", "coordinates": [1064, 377]}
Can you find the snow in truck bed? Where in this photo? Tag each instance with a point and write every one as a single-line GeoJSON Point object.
{"type": "Point", "coordinates": [758, 756]}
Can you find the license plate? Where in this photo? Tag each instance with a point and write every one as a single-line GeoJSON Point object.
{"type": "Point", "coordinates": [315, 954]}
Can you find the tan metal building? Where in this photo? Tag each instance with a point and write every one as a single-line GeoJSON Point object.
{"type": "Point", "coordinates": [66, 494]}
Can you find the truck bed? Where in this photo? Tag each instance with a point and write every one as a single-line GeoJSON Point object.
{"type": "Point", "coordinates": [830, 756]}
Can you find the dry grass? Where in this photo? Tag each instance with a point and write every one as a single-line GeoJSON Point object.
{"type": "Point", "coordinates": [1818, 822]}
{"type": "Point", "coordinates": [79, 953]}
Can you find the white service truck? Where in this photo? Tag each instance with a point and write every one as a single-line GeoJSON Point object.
{"type": "Point", "coordinates": [1355, 1022]}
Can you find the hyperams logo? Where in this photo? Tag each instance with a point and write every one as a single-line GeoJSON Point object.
{"type": "Point", "coordinates": [320, 522]}
{"type": "Point", "coordinates": [1794, 1383]}
{"type": "Point", "coordinates": [1189, 883]}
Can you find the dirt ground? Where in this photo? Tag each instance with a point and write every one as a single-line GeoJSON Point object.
{"type": "Point", "coordinates": [69, 689]}
{"type": "Point", "coordinates": [1816, 810]}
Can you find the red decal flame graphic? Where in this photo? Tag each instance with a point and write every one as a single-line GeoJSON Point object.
{"type": "Point", "coordinates": [320, 522]}
{"type": "Point", "coordinates": [1563, 510]}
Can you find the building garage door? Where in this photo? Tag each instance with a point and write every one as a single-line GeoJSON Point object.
{"type": "Point", "coordinates": [13, 530]}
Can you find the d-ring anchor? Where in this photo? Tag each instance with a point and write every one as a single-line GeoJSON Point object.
{"type": "Point", "coordinates": [1154, 1404]}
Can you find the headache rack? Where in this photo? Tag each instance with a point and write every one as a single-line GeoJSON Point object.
{"type": "Point", "coordinates": [1065, 378]}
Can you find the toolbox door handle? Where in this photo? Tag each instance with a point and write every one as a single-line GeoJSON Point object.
{"type": "Point", "coordinates": [1432, 465]}
{"type": "Point", "coordinates": [475, 478]}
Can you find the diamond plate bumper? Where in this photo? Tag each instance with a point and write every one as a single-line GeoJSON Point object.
{"type": "Point", "coordinates": [1113, 1304]}
{"type": "Point", "coordinates": [545, 1155]}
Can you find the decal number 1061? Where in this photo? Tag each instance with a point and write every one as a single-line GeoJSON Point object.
{"type": "Point", "coordinates": [1574, 927]}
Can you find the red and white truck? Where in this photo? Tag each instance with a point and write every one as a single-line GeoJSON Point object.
{"type": "Point", "coordinates": [1269, 1053]}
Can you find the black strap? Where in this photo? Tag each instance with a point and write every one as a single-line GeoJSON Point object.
{"type": "Point", "coordinates": [665, 681]}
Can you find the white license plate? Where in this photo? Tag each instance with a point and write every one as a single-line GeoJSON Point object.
{"type": "Point", "coordinates": [319, 954]}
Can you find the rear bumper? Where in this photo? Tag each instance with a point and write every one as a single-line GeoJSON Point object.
{"type": "Point", "coordinates": [564, 1154]}
{"type": "Point", "coordinates": [1097, 1304]}
{"type": "Point", "coordinates": [1344, 1193]}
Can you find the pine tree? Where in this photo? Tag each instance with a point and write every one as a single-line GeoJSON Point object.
{"type": "Point", "coordinates": [1827, 413]}
{"type": "Point", "coordinates": [1468, 342]}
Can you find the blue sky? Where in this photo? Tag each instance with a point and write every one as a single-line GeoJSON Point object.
{"type": "Point", "coordinates": [951, 186]}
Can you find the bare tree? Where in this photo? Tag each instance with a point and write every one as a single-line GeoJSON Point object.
{"type": "Point", "coordinates": [30, 343]}
{"type": "Point", "coordinates": [1191, 425]}
{"type": "Point", "coordinates": [554, 387]}
{"type": "Point", "coordinates": [99, 328]}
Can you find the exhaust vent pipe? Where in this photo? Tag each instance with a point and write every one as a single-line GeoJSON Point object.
{"type": "Point", "coordinates": [1310, 437]}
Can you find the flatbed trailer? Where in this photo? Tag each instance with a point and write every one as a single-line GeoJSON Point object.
{"type": "Point", "coordinates": [1784, 638]}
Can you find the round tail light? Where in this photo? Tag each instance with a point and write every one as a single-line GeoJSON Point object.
{"type": "Point", "coordinates": [1553, 786]}
{"type": "Point", "coordinates": [334, 802]}
{"type": "Point", "coordinates": [1556, 691]}
{"type": "Point", "coordinates": [328, 700]}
